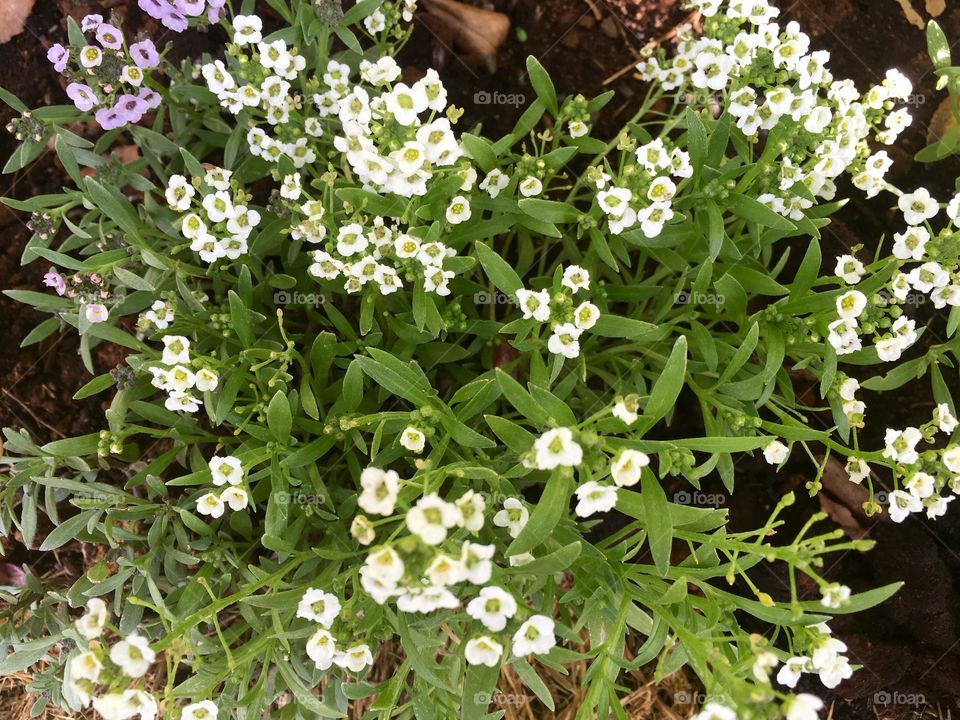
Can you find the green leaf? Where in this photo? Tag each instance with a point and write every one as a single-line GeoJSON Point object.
{"type": "Point", "coordinates": [549, 210]}
{"type": "Point", "coordinates": [533, 681]}
{"type": "Point", "coordinates": [481, 150]}
{"type": "Point", "coordinates": [755, 211]}
{"type": "Point", "coordinates": [938, 46]}
{"type": "Point", "coordinates": [669, 384]}
{"type": "Point", "coordinates": [95, 386]}
{"type": "Point", "coordinates": [114, 207]}
{"type": "Point", "coordinates": [498, 270]}
{"type": "Point", "coordinates": [548, 511]}
{"type": "Point", "coordinates": [659, 525]}
{"type": "Point", "coordinates": [615, 326]}
{"type": "Point", "coordinates": [279, 419]}
{"type": "Point", "coordinates": [542, 84]}
{"type": "Point", "coordinates": [696, 137]}
{"type": "Point", "coordinates": [67, 530]}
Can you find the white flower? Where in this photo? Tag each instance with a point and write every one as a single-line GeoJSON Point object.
{"type": "Point", "coordinates": [247, 29]}
{"type": "Point", "coordinates": [937, 506]}
{"type": "Point", "coordinates": [206, 380]}
{"type": "Point", "coordinates": [803, 707]}
{"type": "Point", "coordinates": [849, 269]}
{"type": "Point", "coordinates": [210, 504]}
{"type": "Point", "coordinates": [848, 389]}
{"type": "Point", "coordinates": [235, 497]}
{"type": "Point", "coordinates": [902, 504]}
{"type": "Point", "coordinates": [625, 409]}
{"type": "Point", "coordinates": [851, 304]}
{"type": "Point", "coordinates": [319, 606]}
{"type": "Point", "coordinates": [834, 595]}
{"type": "Point", "coordinates": [514, 516]}
{"type": "Point", "coordinates": [763, 663]}
{"type": "Point", "coordinates": [476, 562]}
{"type": "Point", "coordinates": [179, 378]}
{"type": "Point", "coordinates": [90, 626]}
{"type": "Point", "coordinates": [179, 193]}
{"type": "Point", "coordinates": [380, 488]}
{"type": "Point", "coordinates": [483, 650]}
{"type": "Point", "coordinates": [362, 530]}
{"type": "Point", "coordinates": [431, 517]}
{"type": "Point", "coordinates": [534, 636]}
{"type": "Point", "coordinates": [626, 469]}
{"type": "Point", "coordinates": [917, 206]}
{"type": "Point", "coordinates": [205, 710]}
{"type": "Point", "coordinates": [576, 278]}
{"type": "Point", "coordinates": [775, 452]}
{"type": "Point", "coordinates": [290, 188]}
{"type": "Point", "coordinates": [385, 566]}
{"type": "Point", "coordinates": [951, 458]}
{"type": "Point", "coordinates": [556, 448]}
{"type": "Point", "coordinates": [534, 305]}
{"type": "Point", "coordinates": [530, 186]}
{"type": "Point", "coordinates": [133, 655]}
{"type": "Point", "coordinates": [472, 508]}
{"type": "Point", "coordinates": [586, 316]}
{"type": "Point", "coordinates": [351, 240]}
{"type": "Point", "coordinates": [85, 666]}
{"type": "Point", "coordinates": [226, 470]}
{"type": "Point", "coordinates": [322, 648]}
{"type": "Point", "coordinates": [413, 440]}
{"type": "Point", "coordinates": [910, 244]}
{"type": "Point", "coordinates": [715, 711]}
{"type": "Point", "coordinates": [493, 607]}
{"type": "Point", "coordinates": [458, 210]}
{"type": "Point", "coordinates": [443, 571]}
{"type": "Point", "coordinates": [355, 658]}
{"type": "Point", "coordinates": [901, 445]}
{"type": "Point", "coordinates": [96, 313]}
{"type": "Point", "coordinates": [495, 181]}
{"type": "Point", "coordinates": [176, 349]}
{"type": "Point", "coordinates": [565, 340]}
{"type": "Point", "coordinates": [405, 103]}
{"type": "Point", "coordinates": [594, 497]}
{"type": "Point", "coordinates": [790, 671]}
{"type": "Point", "coordinates": [857, 469]}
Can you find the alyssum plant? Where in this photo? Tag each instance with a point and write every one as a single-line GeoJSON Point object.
{"type": "Point", "coordinates": [385, 377]}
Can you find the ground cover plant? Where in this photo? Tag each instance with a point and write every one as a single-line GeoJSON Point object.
{"type": "Point", "coordinates": [391, 379]}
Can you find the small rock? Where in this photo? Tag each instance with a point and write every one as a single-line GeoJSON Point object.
{"type": "Point", "coordinates": [609, 27]}
{"type": "Point", "coordinates": [13, 16]}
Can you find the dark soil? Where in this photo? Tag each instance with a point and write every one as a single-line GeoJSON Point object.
{"type": "Point", "coordinates": [909, 645]}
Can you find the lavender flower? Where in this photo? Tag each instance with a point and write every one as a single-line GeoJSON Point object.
{"type": "Point", "coordinates": [150, 97]}
{"type": "Point", "coordinates": [91, 22]}
{"type": "Point", "coordinates": [191, 8]}
{"type": "Point", "coordinates": [82, 96]}
{"type": "Point", "coordinates": [58, 55]}
{"type": "Point", "coordinates": [131, 108]}
{"type": "Point", "coordinates": [109, 36]}
{"type": "Point", "coordinates": [109, 118]}
{"type": "Point", "coordinates": [55, 280]}
{"type": "Point", "coordinates": [165, 11]}
{"type": "Point", "coordinates": [144, 54]}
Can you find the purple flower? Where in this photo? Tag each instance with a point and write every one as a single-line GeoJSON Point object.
{"type": "Point", "coordinates": [153, 8]}
{"type": "Point", "coordinates": [109, 118]}
{"type": "Point", "coordinates": [131, 108]}
{"type": "Point", "coordinates": [58, 55]}
{"type": "Point", "coordinates": [109, 36]}
{"type": "Point", "coordinates": [91, 22]}
{"type": "Point", "coordinates": [82, 96]}
{"type": "Point", "coordinates": [150, 97]}
{"type": "Point", "coordinates": [174, 19]}
{"type": "Point", "coordinates": [213, 14]}
{"type": "Point", "coordinates": [191, 8]}
{"type": "Point", "coordinates": [55, 280]}
{"type": "Point", "coordinates": [144, 54]}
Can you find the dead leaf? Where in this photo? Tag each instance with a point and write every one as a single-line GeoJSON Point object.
{"type": "Point", "coordinates": [913, 17]}
{"type": "Point", "coordinates": [475, 32]}
{"type": "Point", "coordinates": [936, 7]}
{"type": "Point", "coordinates": [13, 16]}
{"type": "Point", "coordinates": [943, 122]}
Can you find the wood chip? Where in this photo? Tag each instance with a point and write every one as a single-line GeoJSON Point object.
{"type": "Point", "coordinates": [13, 16]}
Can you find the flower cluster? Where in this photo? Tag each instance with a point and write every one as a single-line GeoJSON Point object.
{"type": "Point", "coordinates": [174, 375]}
{"type": "Point", "coordinates": [767, 73]}
{"type": "Point", "coordinates": [217, 221]}
{"type": "Point", "coordinates": [100, 676]}
{"type": "Point", "coordinates": [224, 471]}
{"type": "Point", "coordinates": [176, 14]}
{"type": "Point", "coordinates": [568, 323]}
{"type": "Point", "coordinates": [323, 608]}
{"type": "Point", "coordinates": [643, 193]}
{"type": "Point", "coordinates": [108, 74]}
